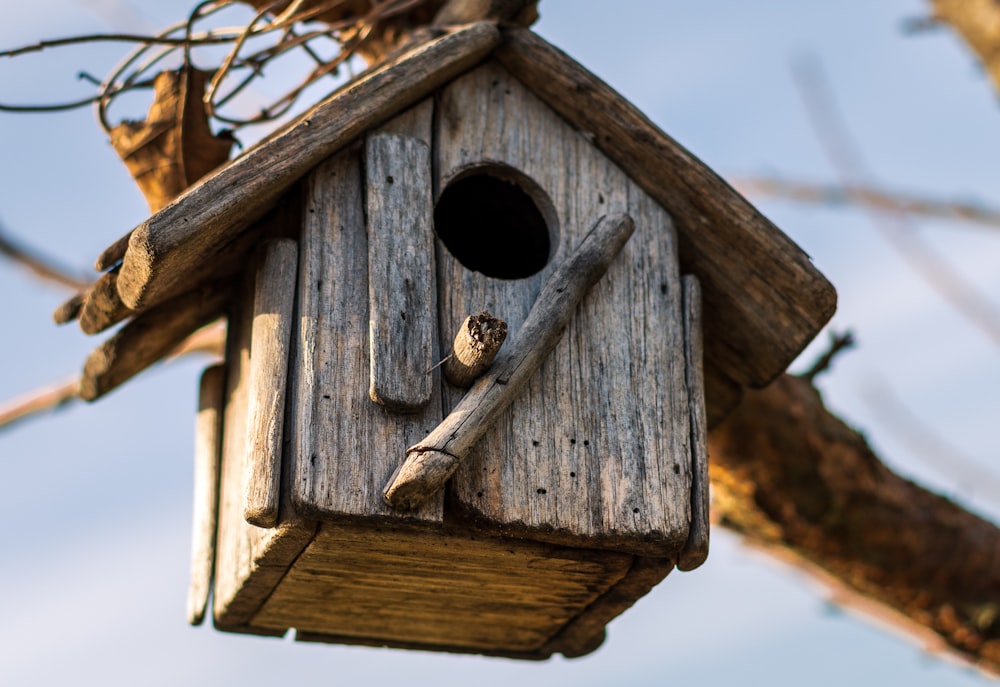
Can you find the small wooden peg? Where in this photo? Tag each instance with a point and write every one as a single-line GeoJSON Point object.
{"type": "Point", "coordinates": [476, 345]}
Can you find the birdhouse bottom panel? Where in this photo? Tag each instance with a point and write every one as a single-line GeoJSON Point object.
{"type": "Point", "coordinates": [457, 591]}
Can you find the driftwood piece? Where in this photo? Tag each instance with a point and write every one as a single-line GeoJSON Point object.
{"type": "Point", "coordinates": [695, 551]}
{"type": "Point", "coordinates": [430, 462]}
{"type": "Point", "coordinates": [341, 441]}
{"type": "Point", "coordinates": [575, 458]}
{"type": "Point", "coordinates": [102, 307]}
{"type": "Point", "coordinates": [476, 345]}
{"type": "Point", "coordinates": [274, 299]}
{"type": "Point", "coordinates": [148, 338]}
{"type": "Point", "coordinates": [207, 455]}
{"type": "Point", "coordinates": [402, 307]}
{"type": "Point", "coordinates": [789, 476]}
{"type": "Point", "coordinates": [191, 229]}
{"type": "Point", "coordinates": [762, 306]}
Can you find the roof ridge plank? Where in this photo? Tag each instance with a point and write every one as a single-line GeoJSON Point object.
{"type": "Point", "coordinates": [163, 249]}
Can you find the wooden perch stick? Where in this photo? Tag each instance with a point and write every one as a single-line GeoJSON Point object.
{"type": "Point", "coordinates": [431, 462]}
{"type": "Point", "coordinates": [476, 345]}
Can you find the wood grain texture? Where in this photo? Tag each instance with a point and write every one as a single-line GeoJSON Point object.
{"type": "Point", "coordinates": [402, 302]}
{"type": "Point", "coordinates": [274, 300]}
{"type": "Point", "coordinates": [207, 455]}
{"type": "Point", "coordinates": [764, 300]}
{"type": "Point", "coordinates": [433, 460]}
{"type": "Point", "coordinates": [250, 561]}
{"type": "Point", "coordinates": [695, 550]}
{"type": "Point", "coordinates": [149, 337]}
{"type": "Point", "coordinates": [586, 632]}
{"type": "Point", "coordinates": [476, 345]}
{"type": "Point", "coordinates": [595, 451]}
{"type": "Point", "coordinates": [343, 445]}
{"type": "Point", "coordinates": [438, 590]}
{"type": "Point", "coordinates": [192, 228]}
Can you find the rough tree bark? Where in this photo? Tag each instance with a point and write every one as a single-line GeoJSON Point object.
{"type": "Point", "coordinates": [791, 477]}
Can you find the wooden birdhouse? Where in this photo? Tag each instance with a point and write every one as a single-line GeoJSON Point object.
{"type": "Point", "coordinates": [346, 488]}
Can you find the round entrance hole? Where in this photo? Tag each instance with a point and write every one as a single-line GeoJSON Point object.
{"type": "Point", "coordinates": [492, 224]}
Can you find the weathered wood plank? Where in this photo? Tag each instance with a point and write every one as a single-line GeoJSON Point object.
{"type": "Point", "coordinates": [207, 456]}
{"type": "Point", "coordinates": [695, 550]}
{"type": "Point", "coordinates": [433, 460]}
{"type": "Point", "coordinates": [103, 307]}
{"type": "Point", "coordinates": [433, 589]}
{"type": "Point", "coordinates": [149, 337]}
{"type": "Point", "coordinates": [764, 300]}
{"type": "Point", "coordinates": [343, 445]}
{"type": "Point", "coordinates": [192, 228]}
{"type": "Point", "coordinates": [274, 299]}
{"type": "Point", "coordinates": [250, 561]}
{"type": "Point", "coordinates": [595, 451]}
{"type": "Point", "coordinates": [402, 301]}
{"type": "Point", "coordinates": [586, 632]}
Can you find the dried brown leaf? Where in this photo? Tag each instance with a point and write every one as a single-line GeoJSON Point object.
{"type": "Point", "coordinates": [174, 147]}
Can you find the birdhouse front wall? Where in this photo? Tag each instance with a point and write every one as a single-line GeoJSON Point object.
{"type": "Point", "coordinates": [597, 449]}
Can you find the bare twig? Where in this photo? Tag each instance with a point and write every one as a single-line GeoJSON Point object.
{"type": "Point", "coordinates": [846, 158]}
{"type": "Point", "coordinates": [39, 401]}
{"type": "Point", "coordinates": [42, 266]}
{"type": "Point", "coordinates": [209, 39]}
{"type": "Point", "coordinates": [867, 196]}
{"type": "Point", "coordinates": [838, 343]}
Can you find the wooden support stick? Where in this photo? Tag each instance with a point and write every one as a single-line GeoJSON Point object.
{"type": "Point", "coordinates": [476, 345]}
{"type": "Point", "coordinates": [431, 462]}
{"type": "Point", "coordinates": [207, 454]}
{"type": "Point", "coordinates": [103, 308]}
{"type": "Point", "coordinates": [274, 299]}
{"type": "Point", "coordinates": [696, 548]}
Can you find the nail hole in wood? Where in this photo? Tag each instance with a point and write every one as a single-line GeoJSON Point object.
{"type": "Point", "coordinates": [496, 221]}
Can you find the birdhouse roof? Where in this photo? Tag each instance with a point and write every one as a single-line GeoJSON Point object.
{"type": "Point", "coordinates": [763, 298]}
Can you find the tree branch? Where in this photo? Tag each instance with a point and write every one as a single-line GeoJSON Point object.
{"type": "Point", "coordinates": [789, 476]}
{"type": "Point", "coordinates": [868, 197]}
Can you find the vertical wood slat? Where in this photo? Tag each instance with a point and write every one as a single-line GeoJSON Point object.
{"type": "Point", "coordinates": [250, 561]}
{"type": "Point", "coordinates": [207, 456]}
{"type": "Point", "coordinates": [695, 551]}
{"type": "Point", "coordinates": [274, 300]}
{"type": "Point", "coordinates": [402, 304]}
{"type": "Point", "coordinates": [343, 446]}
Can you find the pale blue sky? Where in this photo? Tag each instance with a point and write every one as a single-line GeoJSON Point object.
{"type": "Point", "coordinates": [97, 497]}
